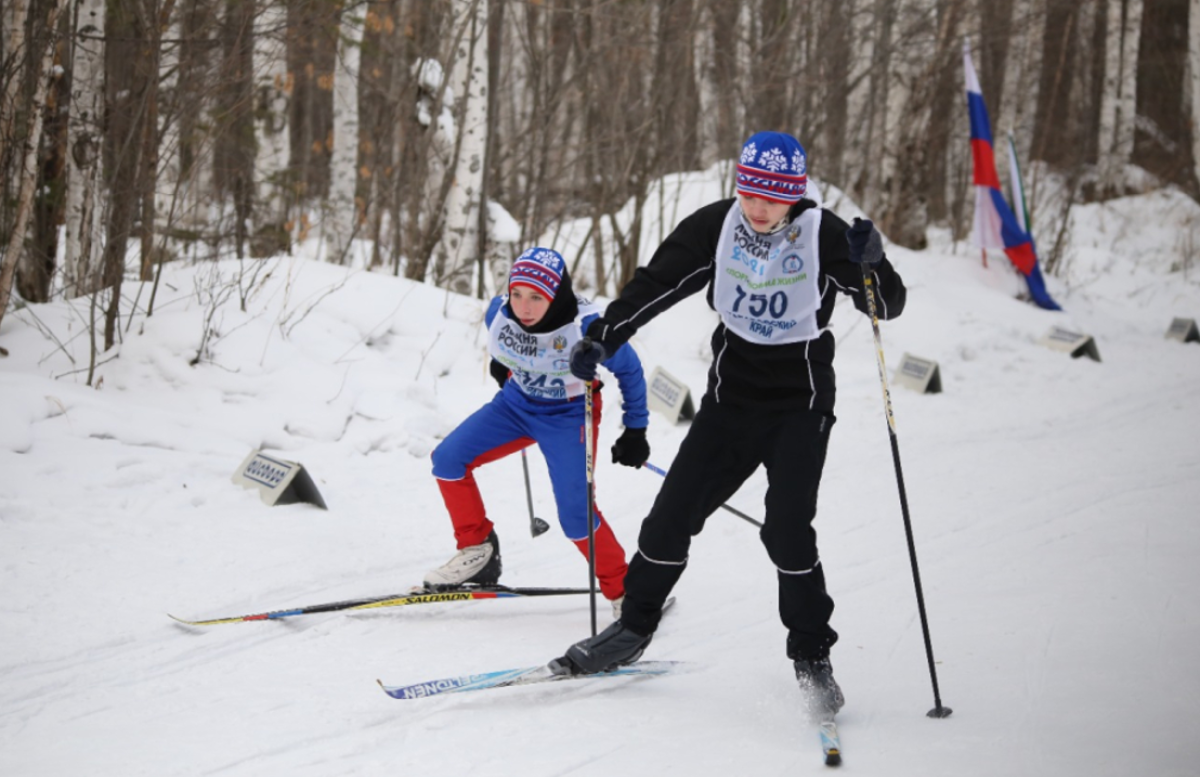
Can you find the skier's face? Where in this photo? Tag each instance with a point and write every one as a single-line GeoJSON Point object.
{"type": "Point", "coordinates": [528, 305]}
{"type": "Point", "coordinates": [763, 215]}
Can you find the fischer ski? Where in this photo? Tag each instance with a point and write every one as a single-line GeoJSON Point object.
{"type": "Point", "coordinates": [830, 743]}
{"type": "Point", "coordinates": [530, 675]}
{"type": "Point", "coordinates": [416, 596]}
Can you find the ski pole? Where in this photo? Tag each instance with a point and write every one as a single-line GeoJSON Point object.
{"type": "Point", "coordinates": [537, 527]}
{"type": "Point", "coordinates": [738, 513]}
{"type": "Point", "coordinates": [938, 710]}
{"type": "Point", "coordinates": [588, 440]}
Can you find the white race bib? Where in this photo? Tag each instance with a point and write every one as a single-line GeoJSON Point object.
{"type": "Point", "coordinates": [540, 363]}
{"type": "Point", "coordinates": [765, 287]}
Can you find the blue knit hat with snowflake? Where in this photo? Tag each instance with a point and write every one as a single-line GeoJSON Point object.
{"type": "Point", "coordinates": [540, 269]}
{"type": "Point", "coordinates": [773, 166]}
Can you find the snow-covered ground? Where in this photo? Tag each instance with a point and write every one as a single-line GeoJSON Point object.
{"type": "Point", "coordinates": [1054, 502]}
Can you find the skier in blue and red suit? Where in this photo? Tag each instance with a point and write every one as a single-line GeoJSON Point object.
{"type": "Point", "coordinates": [531, 332]}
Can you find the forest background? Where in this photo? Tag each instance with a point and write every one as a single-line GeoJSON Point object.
{"type": "Point", "coordinates": [441, 137]}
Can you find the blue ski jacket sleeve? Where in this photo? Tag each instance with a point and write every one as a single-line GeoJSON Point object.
{"type": "Point", "coordinates": [493, 309]}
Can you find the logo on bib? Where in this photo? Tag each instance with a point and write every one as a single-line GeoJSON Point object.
{"type": "Point", "coordinates": [792, 264]}
{"type": "Point", "coordinates": [517, 343]}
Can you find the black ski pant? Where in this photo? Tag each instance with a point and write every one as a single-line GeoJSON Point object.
{"type": "Point", "coordinates": [724, 446]}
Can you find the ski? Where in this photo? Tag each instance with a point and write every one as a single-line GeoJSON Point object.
{"type": "Point", "coordinates": [530, 675]}
{"type": "Point", "coordinates": [416, 596]}
{"type": "Point", "coordinates": [830, 743]}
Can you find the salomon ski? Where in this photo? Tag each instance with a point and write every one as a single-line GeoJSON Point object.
{"type": "Point", "coordinates": [462, 593]}
{"type": "Point", "coordinates": [526, 676]}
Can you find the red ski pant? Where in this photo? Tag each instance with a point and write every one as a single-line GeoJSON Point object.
{"type": "Point", "coordinates": [495, 432]}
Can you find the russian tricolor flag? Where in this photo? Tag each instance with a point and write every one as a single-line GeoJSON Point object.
{"type": "Point", "coordinates": [996, 227]}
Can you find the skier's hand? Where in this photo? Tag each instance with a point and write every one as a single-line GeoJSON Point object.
{"type": "Point", "coordinates": [631, 448]}
{"type": "Point", "coordinates": [866, 247]}
{"type": "Point", "coordinates": [499, 373]}
{"type": "Point", "coordinates": [585, 357]}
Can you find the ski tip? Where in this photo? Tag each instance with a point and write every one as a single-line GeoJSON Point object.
{"type": "Point", "coordinates": [203, 623]}
{"type": "Point", "coordinates": [833, 758]}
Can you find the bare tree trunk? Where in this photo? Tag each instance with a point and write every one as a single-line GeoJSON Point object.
{"type": "Point", "coordinates": [127, 77]}
{"type": "Point", "coordinates": [148, 170]}
{"type": "Point", "coordinates": [377, 121]}
{"type": "Point", "coordinates": [36, 268]}
{"type": "Point", "coordinates": [1192, 82]}
{"type": "Point", "coordinates": [1022, 63]}
{"type": "Point", "coordinates": [271, 93]}
{"type": "Point", "coordinates": [460, 235]}
{"type": "Point", "coordinates": [233, 122]}
{"type": "Point", "coordinates": [995, 24]}
{"type": "Point", "coordinates": [1120, 92]}
{"type": "Point", "coordinates": [921, 129]}
{"type": "Point", "coordinates": [834, 63]}
{"type": "Point", "coordinates": [876, 109]}
{"type": "Point", "coordinates": [1051, 141]}
{"type": "Point", "coordinates": [83, 215]}
{"type": "Point", "coordinates": [312, 55]}
{"type": "Point", "coordinates": [493, 252]}
{"type": "Point", "coordinates": [14, 77]}
{"type": "Point", "coordinates": [29, 166]}
{"type": "Point", "coordinates": [419, 99]}
{"type": "Point", "coordinates": [342, 217]}
{"type": "Point", "coordinates": [727, 64]}
{"type": "Point", "coordinates": [1162, 141]}
{"type": "Point", "coordinates": [675, 96]}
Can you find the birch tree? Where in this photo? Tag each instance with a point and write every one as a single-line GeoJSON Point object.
{"type": "Point", "coordinates": [84, 192]}
{"type": "Point", "coordinates": [341, 217]}
{"type": "Point", "coordinates": [455, 255]}
{"type": "Point", "coordinates": [29, 172]}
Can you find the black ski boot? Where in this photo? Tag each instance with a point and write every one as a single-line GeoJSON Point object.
{"type": "Point", "coordinates": [821, 691]}
{"type": "Point", "coordinates": [613, 647]}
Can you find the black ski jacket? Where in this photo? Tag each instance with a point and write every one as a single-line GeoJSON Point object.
{"type": "Point", "coordinates": [743, 373]}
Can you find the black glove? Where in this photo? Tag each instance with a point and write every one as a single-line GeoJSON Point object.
{"type": "Point", "coordinates": [866, 247]}
{"type": "Point", "coordinates": [631, 448]}
{"type": "Point", "coordinates": [499, 372]}
{"type": "Point", "coordinates": [585, 357]}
